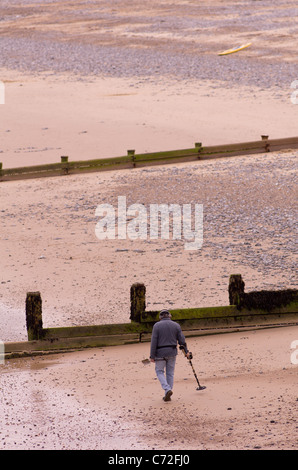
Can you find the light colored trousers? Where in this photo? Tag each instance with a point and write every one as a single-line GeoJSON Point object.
{"type": "Point", "coordinates": [164, 369]}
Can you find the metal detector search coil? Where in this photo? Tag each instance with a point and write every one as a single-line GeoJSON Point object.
{"type": "Point", "coordinates": [190, 356]}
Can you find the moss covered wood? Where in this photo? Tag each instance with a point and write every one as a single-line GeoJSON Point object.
{"type": "Point", "coordinates": [269, 300]}
{"type": "Point", "coordinates": [132, 160]}
{"type": "Point", "coordinates": [137, 301]}
{"type": "Point", "coordinates": [34, 315]}
{"type": "Point", "coordinates": [236, 290]}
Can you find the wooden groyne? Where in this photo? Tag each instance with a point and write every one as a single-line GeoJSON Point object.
{"type": "Point", "coordinates": [257, 309]}
{"type": "Point", "coordinates": [133, 160]}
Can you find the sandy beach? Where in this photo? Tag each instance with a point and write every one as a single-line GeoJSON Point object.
{"type": "Point", "coordinates": [49, 244]}
{"type": "Point", "coordinates": [93, 81]}
{"type": "Point", "coordinates": [109, 399]}
{"type": "Point", "coordinates": [100, 117]}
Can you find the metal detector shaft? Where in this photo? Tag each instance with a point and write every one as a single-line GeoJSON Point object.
{"type": "Point", "coordinates": [200, 387]}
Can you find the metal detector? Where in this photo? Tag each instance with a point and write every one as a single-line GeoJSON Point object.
{"type": "Point", "coordinates": [200, 387]}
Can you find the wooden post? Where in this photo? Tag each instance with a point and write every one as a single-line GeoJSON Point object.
{"type": "Point", "coordinates": [236, 290]}
{"type": "Point", "coordinates": [265, 138]}
{"type": "Point", "coordinates": [137, 301]}
{"type": "Point", "coordinates": [198, 145]}
{"type": "Point", "coordinates": [131, 153]}
{"type": "Point", "coordinates": [2, 353]}
{"type": "Point", "coordinates": [64, 161]}
{"type": "Point", "coordinates": [34, 315]}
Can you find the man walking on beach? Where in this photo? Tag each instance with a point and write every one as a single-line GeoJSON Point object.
{"type": "Point", "coordinates": [165, 335]}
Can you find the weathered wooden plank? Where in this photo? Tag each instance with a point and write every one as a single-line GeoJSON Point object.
{"type": "Point", "coordinates": [64, 343]}
{"type": "Point", "coordinates": [95, 330]}
{"type": "Point", "coordinates": [284, 142]}
{"type": "Point", "coordinates": [259, 144]}
{"type": "Point", "coordinates": [230, 311]}
{"type": "Point", "coordinates": [166, 155]}
{"type": "Point", "coordinates": [145, 159]}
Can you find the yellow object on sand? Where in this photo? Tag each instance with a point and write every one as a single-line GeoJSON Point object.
{"type": "Point", "coordinates": [235, 49]}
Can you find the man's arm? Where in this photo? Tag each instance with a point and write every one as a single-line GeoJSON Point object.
{"type": "Point", "coordinates": [181, 340]}
{"type": "Point", "coordinates": [153, 347]}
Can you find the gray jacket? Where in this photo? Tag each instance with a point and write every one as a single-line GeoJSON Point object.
{"type": "Point", "coordinates": [165, 335]}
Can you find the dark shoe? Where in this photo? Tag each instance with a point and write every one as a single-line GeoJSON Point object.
{"type": "Point", "coordinates": [168, 395]}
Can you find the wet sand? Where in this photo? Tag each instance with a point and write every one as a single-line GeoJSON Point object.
{"type": "Point", "coordinates": [109, 399]}
{"type": "Point", "coordinates": [45, 118]}
{"type": "Point", "coordinates": [151, 74]}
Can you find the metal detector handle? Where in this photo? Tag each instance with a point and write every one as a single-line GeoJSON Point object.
{"type": "Point", "coordinates": [182, 347]}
